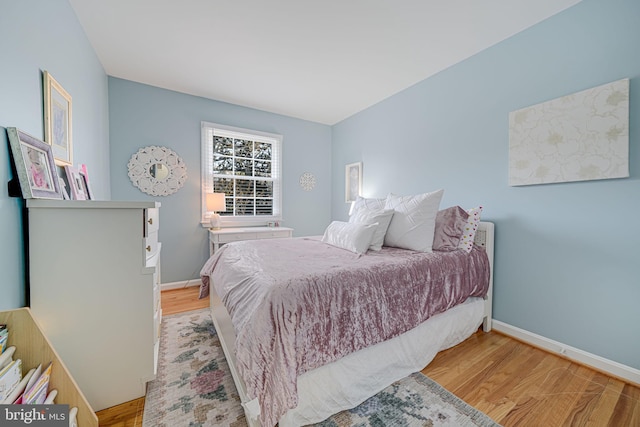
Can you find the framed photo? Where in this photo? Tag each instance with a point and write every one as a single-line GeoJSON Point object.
{"type": "Point", "coordinates": [77, 188]}
{"type": "Point", "coordinates": [57, 121]}
{"type": "Point", "coordinates": [82, 169]}
{"type": "Point", "coordinates": [63, 187]}
{"type": "Point", "coordinates": [353, 181]}
{"type": "Point", "coordinates": [35, 166]}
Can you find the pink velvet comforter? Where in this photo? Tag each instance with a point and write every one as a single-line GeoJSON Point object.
{"type": "Point", "coordinates": [297, 304]}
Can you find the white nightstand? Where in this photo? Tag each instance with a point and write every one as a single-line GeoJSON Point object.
{"type": "Point", "coordinates": [226, 235]}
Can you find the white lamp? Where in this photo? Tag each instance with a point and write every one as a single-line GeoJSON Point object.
{"type": "Point", "coordinates": [215, 203]}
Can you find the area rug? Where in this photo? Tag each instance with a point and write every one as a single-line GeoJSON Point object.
{"type": "Point", "coordinates": [194, 388]}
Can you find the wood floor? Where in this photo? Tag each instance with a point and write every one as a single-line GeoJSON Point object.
{"type": "Point", "coordinates": [512, 382]}
{"type": "Point", "coordinates": [519, 385]}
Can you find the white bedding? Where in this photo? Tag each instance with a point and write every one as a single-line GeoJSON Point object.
{"type": "Point", "coordinates": [324, 391]}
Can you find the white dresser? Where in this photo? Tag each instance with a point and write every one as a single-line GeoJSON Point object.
{"type": "Point", "coordinates": [94, 271]}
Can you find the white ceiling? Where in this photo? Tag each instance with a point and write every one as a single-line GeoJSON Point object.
{"type": "Point", "coordinates": [316, 60]}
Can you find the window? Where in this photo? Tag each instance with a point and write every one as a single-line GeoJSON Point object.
{"type": "Point", "coordinates": [245, 165]}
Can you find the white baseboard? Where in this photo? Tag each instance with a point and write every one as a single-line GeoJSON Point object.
{"type": "Point", "coordinates": [180, 285]}
{"type": "Point", "coordinates": [625, 373]}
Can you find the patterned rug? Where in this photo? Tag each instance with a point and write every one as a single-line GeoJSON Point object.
{"type": "Point", "coordinates": [194, 388]}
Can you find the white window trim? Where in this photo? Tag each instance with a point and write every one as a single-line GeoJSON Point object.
{"type": "Point", "coordinates": [207, 180]}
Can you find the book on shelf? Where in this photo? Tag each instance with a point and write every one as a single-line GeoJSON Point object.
{"type": "Point", "coordinates": [36, 393]}
{"type": "Point", "coordinates": [4, 337]}
{"type": "Point", "coordinates": [10, 377]}
{"type": "Point", "coordinates": [17, 392]}
{"type": "Point", "coordinates": [36, 374]}
{"type": "Point", "coordinates": [7, 357]}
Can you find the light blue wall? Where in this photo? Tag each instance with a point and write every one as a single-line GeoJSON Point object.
{"type": "Point", "coordinates": [567, 258]}
{"type": "Point", "coordinates": [38, 35]}
{"type": "Point", "coordinates": [142, 115]}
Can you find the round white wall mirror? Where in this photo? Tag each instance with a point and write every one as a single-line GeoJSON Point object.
{"type": "Point", "coordinates": [157, 171]}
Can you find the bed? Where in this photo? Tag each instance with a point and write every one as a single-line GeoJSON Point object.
{"type": "Point", "coordinates": [303, 376]}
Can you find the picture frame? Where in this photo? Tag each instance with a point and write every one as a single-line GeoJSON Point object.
{"type": "Point", "coordinates": [58, 120]}
{"type": "Point", "coordinates": [353, 181]}
{"type": "Point", "coordinates": [35, 166]}
{"type": "Point", "coordinates": [77, 188]}
{"type": "Point", "coordinates": [63, 188]}
{"type": "Point", "coordinates": [82, 169]}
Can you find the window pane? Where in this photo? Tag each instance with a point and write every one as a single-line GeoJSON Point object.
{"type": "Point", "coordinates": [244, 148]}
{"type": "Point", "coordinates": [263, 168]}
{"type": "Point", "coordinates": [222, 165]}
{"type": "Point", "coordinates": [263, 151]}
{"type": "Point", "coordinates": [223, 185]}
{"type": "Point", "coordinates": [244, 167]}
{"type": "Point", "coordinates": [245, 187]}
{"type": "Point", "coordinates": [244, 206]}
{"type": "Point", "coordinates": [264, 189]}
{"type": "Point", "coordinates": [223, 145]}
{"type": "Point", "coordinates": [264, 206]}
{"type": "Point", "coordinates": [229, 204]}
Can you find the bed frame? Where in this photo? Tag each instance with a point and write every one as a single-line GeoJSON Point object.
{"type": "Point", "coordinates": [222, 320]}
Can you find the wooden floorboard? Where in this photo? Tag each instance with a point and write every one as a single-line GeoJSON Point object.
{"type": "Point", "coordinates": [512, 382]}
{"type": "Point", "coordinates": [184, 299]}
{"type": "Point", "coordinates": [520, 385]}
{"type": "Point", "coordinates": [125, 415]}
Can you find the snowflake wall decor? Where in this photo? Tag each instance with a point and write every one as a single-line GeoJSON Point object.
{"type": "Point", "coordinates": [307, 181]}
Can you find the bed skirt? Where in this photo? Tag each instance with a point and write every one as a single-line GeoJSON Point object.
{"type": "Point", "coordinates": [346, 383]}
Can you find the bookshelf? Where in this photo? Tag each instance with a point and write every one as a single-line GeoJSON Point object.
{"type": "Point", "coordinates": [33, 348]}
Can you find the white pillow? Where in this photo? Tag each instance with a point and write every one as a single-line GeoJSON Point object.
{"type": "Point", "coordinates": [362, 203]}
{"type": "Point", "coordinates": [351, 236]}
{"type": "Point", "coordinates": [370, 216]}
{"type": "Point", "coordinates": [414, 220]}
{"type": "Point", "coordinates": [470, 228]}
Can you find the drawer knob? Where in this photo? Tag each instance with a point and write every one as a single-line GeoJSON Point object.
{"type": "Point", "coordinates": [150, 221]}
{"type": "Point", "coordinates": [149, 248]}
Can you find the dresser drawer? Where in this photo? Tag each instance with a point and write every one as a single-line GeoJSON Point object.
{"type": "Point", "coordinates": [151, 245]}
{"type": "Point", "coordinates": [151, 221]}
{"type": "Point", "coordinates": [226, 238]}
{"type": "Point", "coordinates": [275, 234]}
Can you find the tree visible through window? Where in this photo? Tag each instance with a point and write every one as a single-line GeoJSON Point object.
{"type": "Point", "coordinates": [245, 165]}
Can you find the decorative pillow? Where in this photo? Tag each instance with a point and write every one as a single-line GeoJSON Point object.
{"type": "Point", "coordinates": [351, 236]}
{"type": "Point", "coordinates": [470, 228]}
{"type": "Point", "coordinates": [450, 225]}
{"type": "Point", "coordinates": [370, 216]}
{"type": "Point", "coordinates": [362, 203]}
{"type": "Point", "coordinates": [414, 220]}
